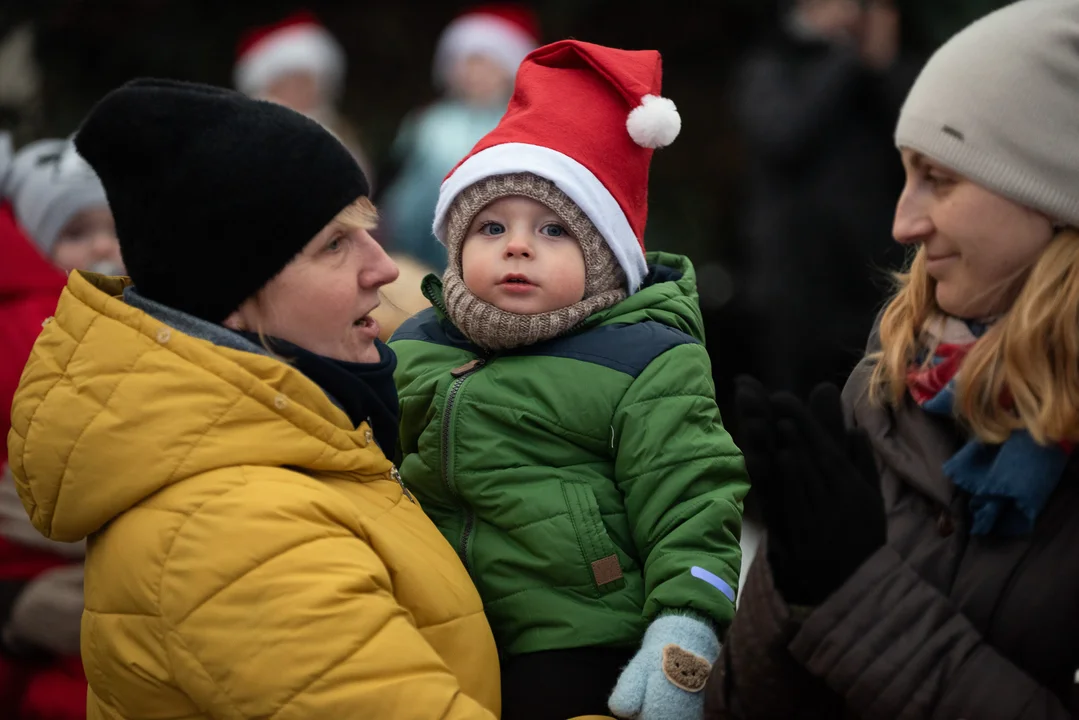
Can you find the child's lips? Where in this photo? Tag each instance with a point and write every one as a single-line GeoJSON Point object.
{"type": "Point", "coordinates": [516, 283]}
{"type": "Point", "coordinates": [517, 288]}
{"type": "Point", "coordinates": [515, 278]}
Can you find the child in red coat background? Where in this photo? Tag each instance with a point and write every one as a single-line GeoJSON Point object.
{"type": "Point", "coordinates": [41, 598]}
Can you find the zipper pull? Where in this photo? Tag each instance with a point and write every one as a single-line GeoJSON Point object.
{"type": "Point", "coordinates": [397, 476]}
{"type": "Point", "coordinates": [470, 366]}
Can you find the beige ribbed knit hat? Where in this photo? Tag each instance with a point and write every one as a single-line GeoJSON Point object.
{"type": "Point", "coordinates": [999, 104]}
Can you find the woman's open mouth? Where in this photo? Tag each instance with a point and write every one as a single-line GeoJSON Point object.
{"type": "Point", "coordinates": [367, 326]}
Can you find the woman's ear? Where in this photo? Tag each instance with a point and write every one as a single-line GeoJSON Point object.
{"type": "Point", "coordinates": [234, 321]}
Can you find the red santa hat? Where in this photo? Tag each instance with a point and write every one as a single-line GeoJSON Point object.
{"type": "Point", "coordinates": [297, 43]}
{"type": "Point", "coordinates": [587, 118]}
{"type": "Point", "coordinates": [503, 32]}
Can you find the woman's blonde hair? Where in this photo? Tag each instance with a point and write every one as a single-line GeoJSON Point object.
{"type": "Point", "coordinates": [361, 214]}
{"type": "Point", "coordinates": [1023, 373]}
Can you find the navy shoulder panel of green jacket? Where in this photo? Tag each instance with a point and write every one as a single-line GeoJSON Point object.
{"type": "Point", "coordinates": [625, 347]}
{"type": "Point", "coordinates": [427, 326]}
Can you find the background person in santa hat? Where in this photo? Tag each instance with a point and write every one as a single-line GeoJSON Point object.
{"type": "Point", "coordinates": [475, 61]}
{"type": "Point", "coordinates": [298, 63]}
{"type": "Point", "coordinates": [558, 418]}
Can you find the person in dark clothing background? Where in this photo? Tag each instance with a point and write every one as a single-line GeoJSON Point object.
{"type": "Point", "coordinates": [817, 104]}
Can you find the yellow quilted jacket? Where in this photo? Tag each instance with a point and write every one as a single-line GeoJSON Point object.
{"type": "Point", "coordinates": [250, 555]}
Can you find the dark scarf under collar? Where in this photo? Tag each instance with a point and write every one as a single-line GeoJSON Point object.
{"type": "Point", "coordinates": [365, 391]}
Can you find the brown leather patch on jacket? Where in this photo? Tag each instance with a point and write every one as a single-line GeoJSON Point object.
{"type": "Point", "coordinates": [684, 669]}
{"type": "Point", "coordinates": [606, 570]}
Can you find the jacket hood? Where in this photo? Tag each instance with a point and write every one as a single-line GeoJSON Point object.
{"type": "Point", "coordinates": [668, 296]}
{"type": "Point", "coordinates": [115, 406]}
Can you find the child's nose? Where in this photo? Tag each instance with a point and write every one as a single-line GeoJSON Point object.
{"type": "Point", "coordinates": [105, 245]}
{"type": "Point", "coordinates": [518, 245]}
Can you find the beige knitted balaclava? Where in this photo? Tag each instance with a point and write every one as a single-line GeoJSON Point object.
{"type": "Point", "coordinates": [495, 329]}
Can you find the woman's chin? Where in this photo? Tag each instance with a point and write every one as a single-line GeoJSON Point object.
{"type": "Point", "coordinates": [360, 350]}
{"type": "Point", "coordinates": [964, 303]}
{"type": "Point", "coordinates": [370, 355]}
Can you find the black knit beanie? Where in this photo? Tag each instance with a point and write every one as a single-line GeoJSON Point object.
{"type": "Point", "coordinates": [213, 193]}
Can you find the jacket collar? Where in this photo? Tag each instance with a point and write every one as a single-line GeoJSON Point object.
{"type": "Point", "coordinates": [189, 324]}
{"type": "Point", "coordinates": [912, 443]}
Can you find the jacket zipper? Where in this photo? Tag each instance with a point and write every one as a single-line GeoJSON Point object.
{"type": "Point", "coordinates": [396, 475]}
{"type": "Point", "coordinates": [460, 375]}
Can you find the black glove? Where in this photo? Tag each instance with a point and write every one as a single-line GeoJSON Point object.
{"type": "Point", "coordinates": [754, 432]}
{"type": "Point", "coordinates": [818, 488]}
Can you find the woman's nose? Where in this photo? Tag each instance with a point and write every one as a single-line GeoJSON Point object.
{"type": "Point", "coordinates": [912, 222]}
{"type": "Point", "coordinates": [382, 270]}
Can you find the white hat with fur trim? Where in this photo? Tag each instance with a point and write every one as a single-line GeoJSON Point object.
{"type": "Point", "coordinates": [297, 43]}
{"type": "Point", "coordinates": [503, 32]}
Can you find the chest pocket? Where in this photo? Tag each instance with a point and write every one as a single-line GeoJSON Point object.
{"type": "Point", "coordinates": [597, 550]}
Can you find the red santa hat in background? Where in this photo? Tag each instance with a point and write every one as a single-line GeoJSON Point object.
{"type": "Point", "coordinates": [297, 43]}
{"type": "Point", "coordinates": [503, 32]}
{"type": "Point", "coordinates": [587, 118]}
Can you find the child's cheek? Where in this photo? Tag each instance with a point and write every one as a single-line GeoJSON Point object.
{"type": "Point", "coordinates": [472, 265]}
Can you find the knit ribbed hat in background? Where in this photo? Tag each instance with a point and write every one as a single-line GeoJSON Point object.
{"type": "Point", "coordinates": [587, 118]}
{"type": "Point", "coordinates": [48, 184]}
{"type": "Point", "coordinates": [213, 192]}
{"type": "Point", "coordinates": [998, 104]}
{"type": "Point", "coordinates": [503, 32]}
{"type": "Point", "coordinates": [298, 43]}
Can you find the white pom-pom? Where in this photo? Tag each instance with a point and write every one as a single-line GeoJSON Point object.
{"type": "Point", "coordinates": [654, 123]}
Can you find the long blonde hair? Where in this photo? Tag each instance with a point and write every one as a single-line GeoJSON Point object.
{"type": "Point", "coordinates": [1023, 373]}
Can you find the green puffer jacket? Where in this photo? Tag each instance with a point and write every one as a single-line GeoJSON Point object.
{"type": "Point", "coordinates": [586, 482]}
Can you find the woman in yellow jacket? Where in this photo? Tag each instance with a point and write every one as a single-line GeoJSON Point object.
{"type": "Point", "coordinates": [216, 431]}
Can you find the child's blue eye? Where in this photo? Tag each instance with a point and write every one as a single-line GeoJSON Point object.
{"type": "Point", "coordinates": [554, 230]}
{"type": "Point", "coordinates": [492, 228]}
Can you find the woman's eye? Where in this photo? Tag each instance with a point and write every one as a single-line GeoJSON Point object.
{"type": "Point", "coordinates": [937, 180]}
{"type": "Point", "coordinates": [492, 228]}
{"type": "Point", "coordinates": [335, 244]}
{"type": "Point", "coordinates": [554, 230]}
